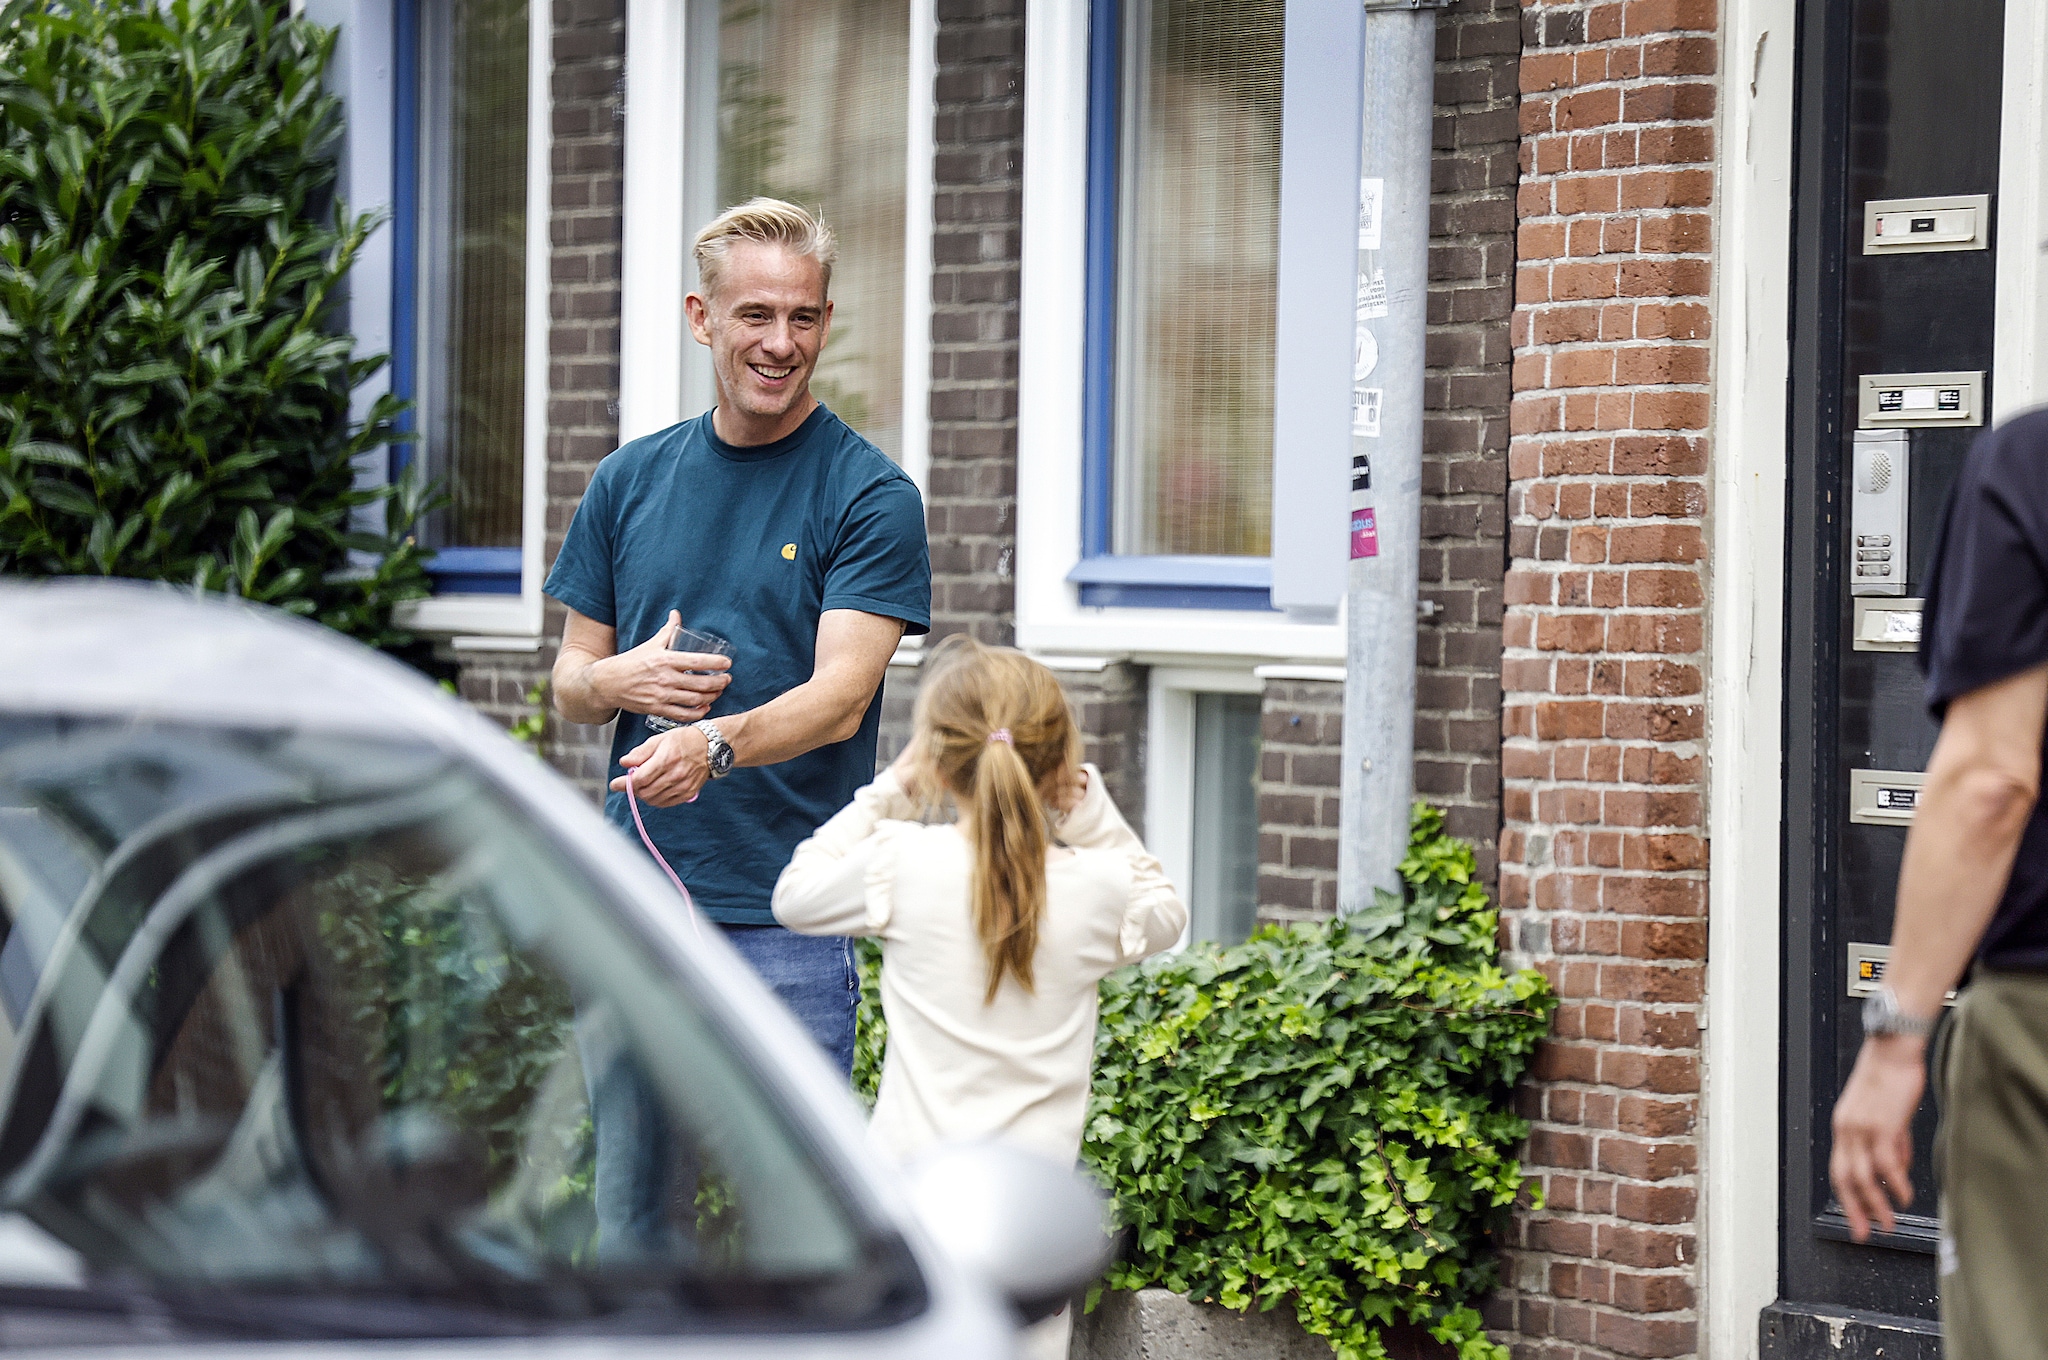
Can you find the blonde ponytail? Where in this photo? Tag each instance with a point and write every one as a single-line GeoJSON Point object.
{"type": "Point", "coordinates": [997, 731]}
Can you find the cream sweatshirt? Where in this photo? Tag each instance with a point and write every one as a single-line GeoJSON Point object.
{"type": "Point", "coordinates": [1017, 1067]}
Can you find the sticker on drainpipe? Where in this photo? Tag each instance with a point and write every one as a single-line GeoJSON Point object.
{"type": "Point", "coordinates": [1365, 411]}
{"type": "Point", "coordinates": [1369, 193]}
{"type": "Point", "coordinates": [1365, 534]}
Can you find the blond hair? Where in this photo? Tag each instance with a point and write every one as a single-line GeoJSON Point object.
{"type": "Point", "coordinates": [770, 221]}
{"type": "Point", "coordinates": [996, 730]}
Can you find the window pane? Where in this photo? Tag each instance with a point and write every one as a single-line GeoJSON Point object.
{"type": "Point", "coordinates": [812, 106]}
{"type": "Point", "coordinates": [1197, 261]}
{"type": "Point", "coordinates": [1224, 897]}
{"type": "Point", "coordinates": [473, 259]}
{"type": "Point", "coordinates": [329, 1020]}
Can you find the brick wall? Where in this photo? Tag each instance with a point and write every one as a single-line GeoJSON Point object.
{"type": "Point", "coordinates": [977, 206]}
{"type": "Point", "coordinates": [1465, 430]}
{"type": "Point", "coordinates": [587, 164]}
{"type": "Point", "coordinates": [1301, 732]}
{"type": "Point", "coordinates": [1603, 851]}
{"type": "Point", "coordinates": [1111, 707]}
{"type": "Point", "coordinates": [977, 233]}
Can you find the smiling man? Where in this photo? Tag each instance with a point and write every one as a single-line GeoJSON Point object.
{"type": "Point", "coordinates": [768, 522]}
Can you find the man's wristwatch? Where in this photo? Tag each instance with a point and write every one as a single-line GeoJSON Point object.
{"type": "Point", "coordinates": [1881, 1015]}
{"type": "Point", "coordinates": [717, 753]}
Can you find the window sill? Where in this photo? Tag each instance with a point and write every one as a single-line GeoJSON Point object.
{"type": "Point", "coordinates": [472, 615]}
{"type": "Point", "coordinates": [1239, 583]}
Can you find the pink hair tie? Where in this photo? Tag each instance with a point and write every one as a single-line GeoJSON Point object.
{"type": "Point", "coordinates": [1002, 734]}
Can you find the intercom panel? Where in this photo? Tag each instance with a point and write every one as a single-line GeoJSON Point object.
{"type": "Point", "coordinates": [1878, 524]}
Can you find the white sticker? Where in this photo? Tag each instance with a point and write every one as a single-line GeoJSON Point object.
{"type": "Point", "coordinates": [1365, 411]}
{"type": "Point", "coordinates": [1369, 193]}
{"type": "Point", "coordinates": [1368, 354]}
{"type": "Point", "coordinates": [1901, 625]}
{"type": "Point", "coordinates": [1372, 295]}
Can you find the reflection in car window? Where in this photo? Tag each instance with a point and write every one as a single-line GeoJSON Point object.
{"type": "Point", "coordinates": [292, 1016]}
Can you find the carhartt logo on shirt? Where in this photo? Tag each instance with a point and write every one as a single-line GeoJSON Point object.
{"type": "Point", "coordinates": [789, 552]}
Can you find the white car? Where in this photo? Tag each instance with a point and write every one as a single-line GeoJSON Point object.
{"type": "Point", "coordinates": [332, 1017]}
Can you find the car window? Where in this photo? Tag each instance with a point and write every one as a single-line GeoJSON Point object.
{"type": "Point", "coordinates": [294, 1019]}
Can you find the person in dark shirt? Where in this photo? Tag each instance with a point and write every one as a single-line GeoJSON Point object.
{"type": "Point", "coordinates": [769, 522]}
{"type": "Point", "coordinates": [1973, 893]}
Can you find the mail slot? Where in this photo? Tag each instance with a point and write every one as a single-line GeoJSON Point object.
{"type": "Point", "coordinates": [1917, 226]}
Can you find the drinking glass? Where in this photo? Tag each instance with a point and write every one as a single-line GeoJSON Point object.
{"type": "Point", "coordinates": [691, 640]}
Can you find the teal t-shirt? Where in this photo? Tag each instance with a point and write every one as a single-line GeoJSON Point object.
{"type": "Point", "coordinates": [753, 544]}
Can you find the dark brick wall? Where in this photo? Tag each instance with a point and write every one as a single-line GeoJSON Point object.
{"type": "Point", "coordinates": [587, 170]}
{"type": "Point", "coordinates": [1110, 707]}
{"type": "Point", "coordinates": [977, 206]}
{"type": "Point", "coordinates": [977, 233]}
{"type": "Point", "coordinates": [1465, 433]}
{"type": "Point", "coordinates": [1301, 730]}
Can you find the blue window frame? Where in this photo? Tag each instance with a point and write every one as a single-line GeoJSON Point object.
{"type": "Point", "coordinates": [1104, 576]}
{"type": "Point", "coordinates": [455, 570]}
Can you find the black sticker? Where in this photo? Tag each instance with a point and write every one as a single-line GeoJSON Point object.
{"type": "Point", "coordinates": [1897, 800]}
{"type": "Point", "coordinates": [1949, 399]}
{"type": "Point", "coordinates": [1920, 225]}
{"type": "Point", "coordinates": [1891, 398]}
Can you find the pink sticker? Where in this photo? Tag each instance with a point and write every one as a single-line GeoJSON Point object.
{"type": "Point", "coordinates": [1365, 534]}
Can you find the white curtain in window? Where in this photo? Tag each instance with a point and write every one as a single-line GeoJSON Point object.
{"type": "Point", "coordinates": [473, 264]}
{"type": "Point", "coordinates": [1197, 263]}
{"type": "Point", "coordinates": [812, 106]}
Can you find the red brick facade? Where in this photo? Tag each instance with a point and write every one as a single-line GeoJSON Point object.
{"type": "Point", "coordinates": [1603, 850]}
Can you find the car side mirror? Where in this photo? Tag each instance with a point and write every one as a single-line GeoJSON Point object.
{"type": "Point", "coordinates": [1033, 1230]}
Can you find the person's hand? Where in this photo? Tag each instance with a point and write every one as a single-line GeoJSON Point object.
{"type": "Point", "coordinates": [652, 679]}
{"type": "Point", "coordinates": [1069, 787]}
{"type": "Point", "coordinates": [913, 772]}
{"type": "Point", "coordinates": [668, 768]}
{"type": "Point", "coordinates": [1873, 1130]}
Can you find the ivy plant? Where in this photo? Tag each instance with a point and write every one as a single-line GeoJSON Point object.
{"type": "Point", "coordinates": [1318, 1118]}
{"type": "Point", "coordinates": [174, 397]}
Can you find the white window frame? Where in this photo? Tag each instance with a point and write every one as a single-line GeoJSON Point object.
{"type": "Point", "coordinates": [2020, 328]}
{"type": "Point", "coordinates": [1170, 760]}
{"type": "Point", "coordinates": [653, 331]}
{"type": "Point", "coordinates": [362, 75]}
{"type": "Point", "coordinates": [1740, 1019]}
{"type": "Point", "coordinates": [1050, 616]}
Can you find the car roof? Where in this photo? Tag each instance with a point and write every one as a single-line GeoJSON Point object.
{"type": "Point", "coordinates": [157, 652]}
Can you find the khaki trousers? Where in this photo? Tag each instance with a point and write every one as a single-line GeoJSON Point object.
{"type": "Point", "coordinates": [1991, 1155]}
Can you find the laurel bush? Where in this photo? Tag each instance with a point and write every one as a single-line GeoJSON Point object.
{"type": "Point", "coordinates": [174, 398]}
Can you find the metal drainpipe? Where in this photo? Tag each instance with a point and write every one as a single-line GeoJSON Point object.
{"type": "Point", "coordinates": [1386, 448]}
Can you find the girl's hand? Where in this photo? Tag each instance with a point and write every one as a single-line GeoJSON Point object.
{"type": "Point", "coordinates": [911, 771]}
{"type": "Point", "coordinates": [1069, 787]}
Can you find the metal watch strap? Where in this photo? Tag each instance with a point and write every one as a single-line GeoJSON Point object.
{"type": "Point", "coordinates": [717, 750]}
{"type": "Point", "coordinates": [1882, 1015]}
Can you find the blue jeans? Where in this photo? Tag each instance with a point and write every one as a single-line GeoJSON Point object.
{"type": "Point", "coordinates": [814, 975]}
{"type": "Point", "coordinates": [641, 1171]}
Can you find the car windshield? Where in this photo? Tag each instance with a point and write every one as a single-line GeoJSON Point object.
{"type": "Point", "coordinates": [312, 1035]}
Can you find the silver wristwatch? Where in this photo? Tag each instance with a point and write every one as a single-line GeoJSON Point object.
{"type": "Point", "coordinates": [717, 753]}
{"type": "Point", "coordinates": [1881, 1015]}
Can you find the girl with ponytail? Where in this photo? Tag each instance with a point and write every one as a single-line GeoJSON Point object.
{"type": "Point", "coordinates": [997, 927]}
